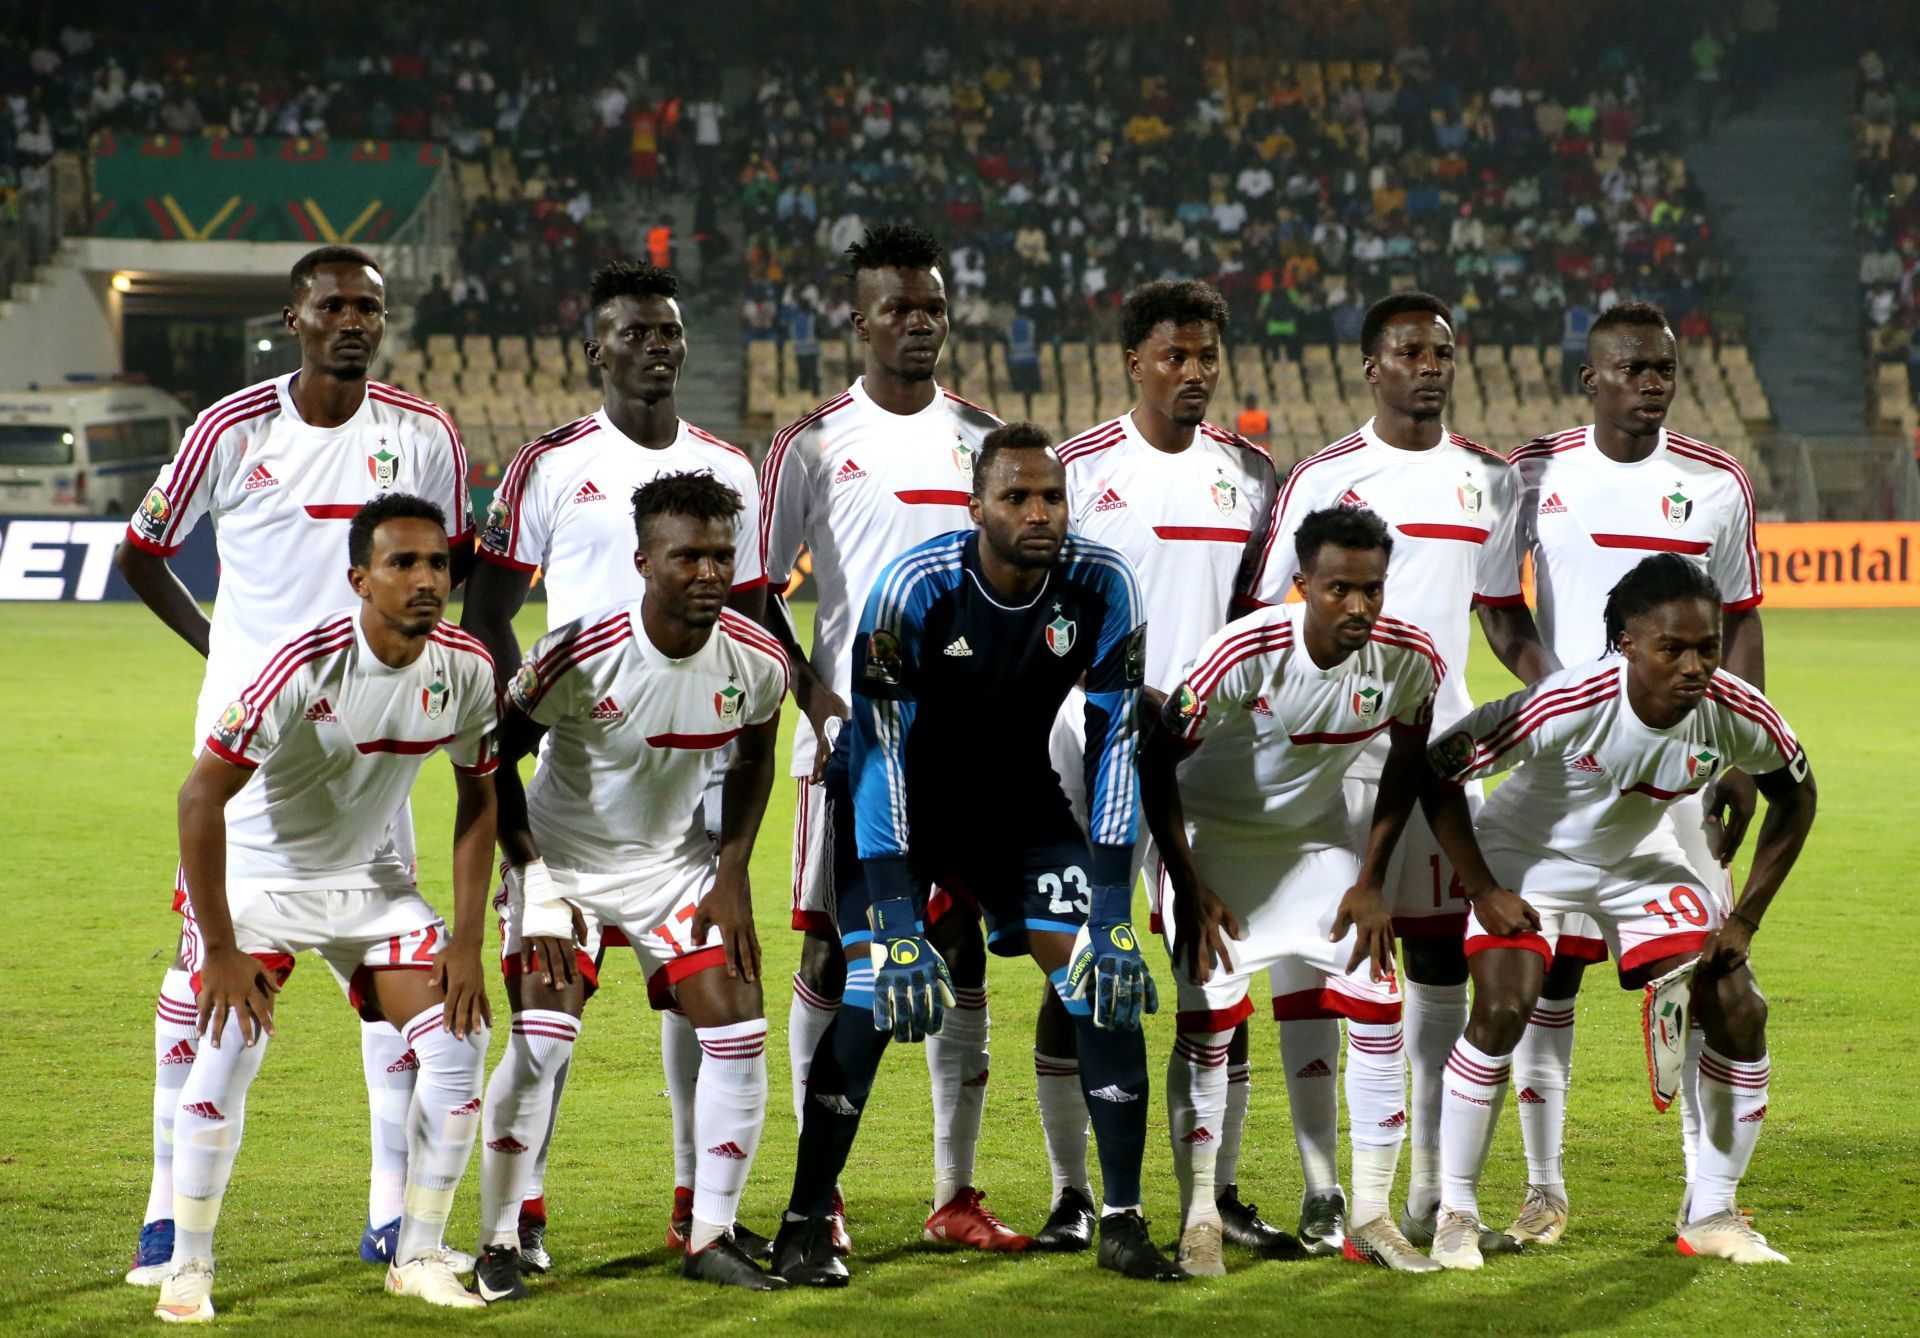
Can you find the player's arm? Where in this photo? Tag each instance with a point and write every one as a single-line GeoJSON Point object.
{"type": "Point", "coordinates": [1733, 798]}
{"type": "Point", "coordinates": [1515, 640]}
{"type": "Point", "coordinates": [179, 497]}
{"type": "Point", "coordinates": [787, 520]}
{"type": "Point", "coordinates": [229, 978]}
{"type": "Point", "coordinates": [495, 595]}
{"type": "Point", "coordinates": [150, 577]}
{"type": "Point", "coordinates": [1364, 907]}
{"type": "Point", "coordinates": [743, 805]}
{"type": "Point", "coordinates": [1791, 801]}
{"type": "Point", "coordinates": [549, 925]}
{"type": "Point", "coordinates": [1202, 922]}
{"type": "Point", "coordinates": [457, 970]}
{"type": "Point", "coordinates": [1497, 599]}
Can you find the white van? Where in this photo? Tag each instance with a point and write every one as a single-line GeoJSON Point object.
{"type": "Point", "coordinates": [84, 449]}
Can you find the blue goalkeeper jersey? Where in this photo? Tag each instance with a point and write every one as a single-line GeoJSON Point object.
{"type": "Point", "coordinates": [954, 697]}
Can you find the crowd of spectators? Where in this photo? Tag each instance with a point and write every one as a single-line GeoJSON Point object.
{"type": "Point", "coordinates": [1887, 196]}
{"type": "Point", "coordinates": [1062, 175]}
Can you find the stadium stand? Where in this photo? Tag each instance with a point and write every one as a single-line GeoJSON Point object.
{"type": "Point", "coordinates": [1887, 221]}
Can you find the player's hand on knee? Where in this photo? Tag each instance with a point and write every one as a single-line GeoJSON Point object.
{"type": "Point", "coordinates": [232, 981]}
{"type": "Point", "coordinates": [1203, 925]}
{"type": "Point", "coordinates": [1106, 962]}
{"type": "Point", "coordinates": [553, 959]}
{"type": "Point", "coordinates": [1727, 948]}
{"type": "Point", "coordinates": [1730, 808]}
{"type": "Point", "coordinates": [729, 909]}
{"type": "Point", "coordinates": [1504, 913]}
{"type": "Point", "coordinates": [912, 988]}
{"type": "Point", "coordinates": [458, 975]}
{"type": "Point", "coordinates": [1364, 911]}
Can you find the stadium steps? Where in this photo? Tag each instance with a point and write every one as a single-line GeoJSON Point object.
{"type": "Point", "coordinates": [1779, 179]}
{"type": "Point", "coordinates": [710, 384]}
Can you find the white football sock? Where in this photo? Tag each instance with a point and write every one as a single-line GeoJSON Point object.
{"type": "Point", "coordinates": [1733, 1106]}
{"type": "Point", "coordinates": [1063, 1118]}
{"type": "Point", "coordinates": [206, 1135]}
{"type": "Point", "coordinates": [957, 1066]}
{"type": "Point", "coordinates": [1434, 1016]}
{"type": "Point", "coordinates": [1226, 1162]}
{"type": "Point", "coordinates": [537, 1183]}
{"type": "Point", "coordinates": [1196, 1104]}
{"type": "Point", "coordinates": [389, 1068]}
{"type": "Point", "coordinates": [1476, 1088]}
{"type": "Point", "coordinates": [808, 1018]}
{"type": "Point", "coordinates": [1376, 1114]}
{"type": "Point", "coordinates": [519, 1108]}
{"type": "Point", "coordinates": [175, 1015]}
{"type": "Point", "coordinates": [1310, 1053]}
{"type": "Point", "coordinates": [441, 1123]}
{"type": "Point", "coordinates": [730, 1111]}
{"type": "Point", "coordinates": [1690, 1104]}
{"type": "Point", "coordinates": [1542, 1071]}
{"type": "Point", "coordinates": [680, 1057]}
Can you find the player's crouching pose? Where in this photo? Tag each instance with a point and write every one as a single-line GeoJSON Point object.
{"type": "Point", "coordinates": [1256, 865]}
{"type": "Point", "coordinates": [1603, 750]}
{"type": "Point", "coordinates": [285, 845]}
{"type": "Point", "coordinates": [967, 647]}
{"type": "Point", "coordinates": [635, 703]}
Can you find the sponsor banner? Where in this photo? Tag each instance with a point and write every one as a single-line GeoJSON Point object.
{"type": "Point", "coordinates": [1840, 565]}
{"type": "Point", "coordinates": [58, 558]}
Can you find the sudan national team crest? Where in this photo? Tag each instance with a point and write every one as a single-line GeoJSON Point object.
{"type": "Point", "coordinates": [1366, 703]}
{"type": "Point", "coordinates": [1060, 632]}
{"type": "Point", "coordinates": [1470, 496]}
{"type": "Point", "coordinates": [155, 511]}
{"type": "Point", "coordinates": [1704, 764]}
{"type": "Point", "coordinates": [1224, 496]}
{"type": "Point", "coordinates": [727, 702]}
{"type": "Point", "coordinates": [963, 457]}
{"type": "Point", "coordinates": [1676, 506]}
{"type": "Point", "coordinates": [384, 465]}
{"type": "Point", "coordinates": [433, 698]}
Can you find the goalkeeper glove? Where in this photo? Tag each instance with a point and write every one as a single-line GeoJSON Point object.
{"type": "Point", "coordinates": [911, 987]}
{"type": "Point", "coordinates": [1106, 962]}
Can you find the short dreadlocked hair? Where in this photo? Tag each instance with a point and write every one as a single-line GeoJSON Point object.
{"type": "Point", "coordinates": [700, 496]}
{"type": "Point", "coordinates": [626, 278]}
{"type": "Point", "coordinates": [1664, 578]}
{"type": "Point", "coordinates": [894, 246]}
{"type": "Point", "coordinates": [1181, 301]}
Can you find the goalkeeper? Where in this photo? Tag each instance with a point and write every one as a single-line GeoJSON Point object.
{"type": "Point", "coordinates": [966, 650]}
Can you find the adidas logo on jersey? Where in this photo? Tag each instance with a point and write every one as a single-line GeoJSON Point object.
{"type": "Point", "coordinates": [508, 1144]}
{"type": "Point", "coordinates": [848, 472]}
{"type": "Point", "coordinates": [1198, 1137]}
{"type": "Point", "coordinates": [1529, 1097]}
{"type": "Point", "coordinates": [260, 478]}
{"type": "Point", "coordinates": [1258, 706]}
{"type": "Point", "coordinates": [608, 709]}
{"type": "Point", "coordinates": [728, 1150]}
{"type": "Point", "coordinates": [1317, 1069]}
{"type": "Point", "coordinates": [1110, 501]}
{"type": "Point", "coordinates": [407, 1063]}
{"type": "Point", "coordinates": [321, 713]}
{"type": "Point", "coordinates": [182, 1053]}
{"type": "Point", "coordinates": [1587, 763]}
{"type": "Point", "coordinates": [1115, 1093]}
{"type": "Point", "coordinates": [1353, 499]}
{"type": "Point", "coordinates": [588, 493]}
{"type": "Point", "coordinates": [1397, 1120]}
{"type": "Point", "coordinates": [1755, 1117]}
{"type": "Point", "coordinates": [958, 648]}
{"type": "Point", "coordinates": [1553, 506]}
{"type": "Point", "coordinates": [206, 1110]}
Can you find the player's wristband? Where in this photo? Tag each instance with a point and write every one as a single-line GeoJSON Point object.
{"type": "Point", "coordinates": [543, 913]}
{"type": "Point", "coordinates": [1753, 926]}
{"type": "Point", "coordinates": [1110, 903]}
{"type": "Point", "coordinates": [1111, 865]}
{"type": "Point", "coordinates": [889, 878]}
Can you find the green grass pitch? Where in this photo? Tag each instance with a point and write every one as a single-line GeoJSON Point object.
{"type": "Point", "coordinates": [98, 703]}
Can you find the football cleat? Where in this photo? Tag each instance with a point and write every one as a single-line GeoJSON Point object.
{"type": "Point", "coordinates": [186, 1296]}
{"type": "Point", "coordinates": [498, 1276]}
{"type": "Point", "coordinates": [966, 1220]}
{"type": "Point", "coordinates": [804, 1254]}
{"type": "Point", "coordinates": [1323, 1224]}
{"type": "Point", "coordinates": [1456, 1240]}
{"type": "Point", "coordinates": [1127, 1249]}
{"type": "Point", "coordinates": [1200, 1250]}
{"type": "Point", "coordinates": [725, 1263]}
{"type": "Point", "coordinates": [680, 1225]}
{"type": "Point", "coordinates": [1727, 1235]}
{"type": "Point", "coordinates": [377, 1242]}
{"type": "Point", "coordinates": [1069, 1227]}
{"type": "Point", "coordinates": [430, 1277]}
{"type": "Point", "coordinates": [1542, 1219]}
{"type": "Point", "coordinates": [1420, 1232]}
{"type": "Point", "coordinates": [755, 1246]}
{"type": "Point", "coordinates": [1380, 1242]}
{"type": "Point", "coordinates": [153, 1256]}
{"type": "Point", "coordinates": [837, 1218]}
{"type": "Point", "coordinates": [1241, 1224]}
{"type": "Point", "coordinates": [533, 1237]}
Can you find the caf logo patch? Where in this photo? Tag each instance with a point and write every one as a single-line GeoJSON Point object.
{"type": "Point", "coordinates": [155, 511]}
{"type": "Point", "coordinates": [526, 684]}
{"type": "Point", "coordinates": [1137, 656]}
{"type": "Point", "coordinates": [1452, 754]}
{"type": "Point", "coordinates": [1185, 702]}
{"type": "Point", "coordinates": [496, 532]}
{"type": "Point", "coordinates": [232, 724]}
{"type": "Point", "coordinates": [883, 657]}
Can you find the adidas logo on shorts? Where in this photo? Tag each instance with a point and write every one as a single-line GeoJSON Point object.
{"type": "Point", "coordinates": [1258, 706]}
{"type": "Point", "coordinates": [1110, 501]}
{"type": "Point", "coordinates": [836, 1103]}
{"type": "Point", "coordinates": [588, 493]}
{"type": "Point", "coordinates": [608, 709]}
{"type": "Point", "coordinates": [1198, 1137]}
{"type": "Point", "coordinates": [321, 713]}
{"type": "Point", "coordinates": [471, 1108]}
{"type": "Point", "coordinates": [1317, 1069]}
{"type": "Point", "coordinates": [730, 1150]}
{"type": "Point", "coordinates": [1553, 506]}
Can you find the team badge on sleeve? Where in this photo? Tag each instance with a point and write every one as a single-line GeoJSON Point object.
{"type": "Point", "coordinates": [1676, 506]}
{"type": "Point", "coordinates": [1137, 656]}
{"type": "Point", "coordinates": [232, 724]}
{"type": "Point", "coordinates": [155, 511]}
{"type": "Point", "coordinates": [497, 535]}
{"type": "Point", "coordinates": [1186, 702]}
{"type": "Point", "coordinates": [384, 465]}
{"type": "Point", "coordinates": [526, 684]}
{"type": "Point", "coordinates": [1366, 703]}
{"type": "Point", "coordinates": [1451, 755]}
{"type": "Point", "coordinates": [433, 698]}
{"type": "Point", "coordinates": [883, 657]}
{"type": "Point", "coordinates": [1060, 632]}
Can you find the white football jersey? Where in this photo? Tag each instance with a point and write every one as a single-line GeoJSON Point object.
{"type": "Point", "coordinates": [280, 494]}
{"type": "Point", "coordinates": [1189, 521]}
{"type": "Point", "coordinates": [565, 506]}
{"type": "Point", "coordinates": [1279, 734]}
{"type": "Point", "coordinates": [632, 735]}
{"type": "Point", "coordinates": [1594, 780]}
{"type": "Point", "coordinates": [1452, 512]}
{"type": "Point", "coordinates": [858, 486]}
{"type": "Point", "coordinates": [337, 738]}
{"type": "Point", "coordinates": [1589, 520]}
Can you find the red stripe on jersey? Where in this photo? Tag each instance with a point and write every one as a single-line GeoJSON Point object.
{"type": "Point", "coordinates": [703, 435]}
{"type": "Point", "coordinates": [1203, 533]}
{"type": "Point", "coordinates": [327, 632]}
{"type": "Point", "coordinates": [1204, 679]}
{"type": "Point", "coordinates": [1691, 449]}
{"type": "Point", "coordinates": [1500, 601]}
{"type": "Point", "coordinates": [614, 624]}
{"type": "Point", "coordinates": [1354, 736]}
{"type": "Point", "coordinates": [202, 444]}
{"type": "Point", "coordinates": [604, 637]}
{"type": "Point", "coordinates": [401, 399]}
{"type": "Point", "coordinates": [404, 747]}
{"type": "Point", "coordinates": [333, 510]}
{"type": "Point", "coordinates": [692, 742]}
{"type": "Point", "coordinates": [751, 635]}
{"type": "Point", "coordinates": [1551, 444]}
{"type": "Point", "coordinates": [1472, 445]}
{"type": "Point", "coordinates": [1763, 715]}
{"type": "Point", "coordinates": [1752, 699]}
{"type": "Point", "coordinates": [1466, 534]}
{"type": "Point", "coordinates": [1655, 792]}
{"type": "Point", "coordinates": [1345, 446]}
{"type": "Point", "coordinates": [461, 639]}
{"type": "Point", "coordinates": [1488, 751]}
{"type": "Point", "coordinates": [777, 456]}
{"type": "Point", "coordinates": [513, 484]}
{"type": "Point", "coordinates": [312, 647]}
{"type": "Point", "coordinates": [1652, 543]}
{"type": "Point", "coordinates": [1400, 627]}
{"type": "Point", "coordinates": [1492, 736]}
{"type": "Point", "coordinates": [933, 497]}
{"type": "Point", "coordinates": [226, 754]}
{"type": "Point", "coordinates": [1091, 442]}
{"type": "Point", "coordinates": [1420, 647]}
{"type": "Point", "coordinates": [1226, 438]}
{"type": "Point", "coordinates": [977, 408]}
